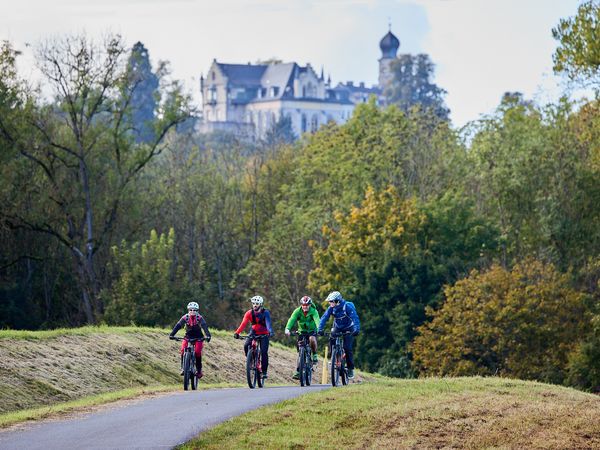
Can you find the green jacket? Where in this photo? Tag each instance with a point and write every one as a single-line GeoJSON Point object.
{"type": "Point", "coordinates": [307, 323]}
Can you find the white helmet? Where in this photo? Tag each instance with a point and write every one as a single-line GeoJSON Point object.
{"type": "Point", "coordinates": [334, 296]}
{"type": "Point", "coordinates": [257, 300]}
{"type": "Point", "coordinates": [193, 306]}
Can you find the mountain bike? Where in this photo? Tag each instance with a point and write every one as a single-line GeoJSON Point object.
{"type": "Point", "coordinates": [339, 370]}
{"type": "Point", "coordinates": [189, 362]}
{"type": "Point", "coordinates": [253, 361]}
{"type": "Point", "coordinates": [305, 363]}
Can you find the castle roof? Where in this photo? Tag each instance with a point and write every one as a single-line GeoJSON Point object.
{"type": "Point", "coordinates": [389, 45]}
{"type": "Point", "coordinates": [243, 74]}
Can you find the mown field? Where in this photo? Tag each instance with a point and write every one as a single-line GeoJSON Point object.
{"type": "Point", "coordinates": [43, 373]}
{"type": "Point", "coordinates": [43, 370]}
{"type": "Point", "coordinates": [472, 413]}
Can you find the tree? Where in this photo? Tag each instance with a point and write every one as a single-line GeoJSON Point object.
{"type": "Point", "coordinates": [522, 323]}
{"type": "Point", "coordinates": [144, 94]}
{"type": "Point", "coordinates": [578, 53]}
{"type": "Point", "coordinates": [78, 155]}
{"type": "Point", "coordinates": [411, 85]}
{"type": "Point", "coordinates": [150, 287]}
{"type": "Point", "coordinates": [392, 257]}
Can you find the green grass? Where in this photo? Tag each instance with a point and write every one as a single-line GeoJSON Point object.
{"type": "Point", "coordinates": [82, 331]}
{"type": "Point", "coordinates": [427, 413]}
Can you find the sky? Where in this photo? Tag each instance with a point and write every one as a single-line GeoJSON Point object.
{"type": "Point", "coordinates": [480, 48]}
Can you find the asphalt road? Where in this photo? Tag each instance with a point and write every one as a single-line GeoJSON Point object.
{"type": "Point", "coordinates": [156, 423]}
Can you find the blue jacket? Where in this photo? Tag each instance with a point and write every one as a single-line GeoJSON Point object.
{"type": "Point", "coordinates": [344, 317]}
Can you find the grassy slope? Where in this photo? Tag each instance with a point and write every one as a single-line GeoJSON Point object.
{"type": "Point", "coordinates": [44, 368]}
{"type": "Point", "coordinates": [428, 413]}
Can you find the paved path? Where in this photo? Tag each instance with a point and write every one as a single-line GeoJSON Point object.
{"type": "Point", "coordinates": [157, 423]}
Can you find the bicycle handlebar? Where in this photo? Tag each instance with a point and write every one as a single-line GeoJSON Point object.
{"type": "Point", "coordinates": [256, 336]}
{"type": "Point", "coordinates": [296, 333]}
{"type": "Point", "coordinates": [175, 338]}
{"type": "Point", "coordinates": [337, 334]}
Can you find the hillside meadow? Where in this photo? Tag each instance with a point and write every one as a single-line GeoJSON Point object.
{"type": "Point", "coordinates": [430, 413]}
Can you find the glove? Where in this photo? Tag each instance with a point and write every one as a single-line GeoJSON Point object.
{"type": "Point", "coordinates": [207, 338]}
{"type": "Point", "coordinates": [355, 333]}
{"type": "Point", "coordinates": [320, 333]}
{"type": "Point", "coordinates": [236, 336]}
{"type": "Point", "coordinates": [171, 336]}
{"type": "Point", "coordinates": [287, 332]}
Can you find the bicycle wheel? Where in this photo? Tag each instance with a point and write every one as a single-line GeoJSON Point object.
{"type": "Point", "coordinates": [335, 367]}
{"type": "Point", "coordinates": [302, 367]}
{"type": "Point", "coordinates": [259, 379]}
{"type": "Point", "coordinates": [343, 370]}
{"type": "Point", "coordinates": [187, 362]}
{"type": "Point", "coordinates": [193, 379]}
{"type": "Point", "coordinates": [308, 366]}
{"type": "Point", "coordinates": [251, 369]}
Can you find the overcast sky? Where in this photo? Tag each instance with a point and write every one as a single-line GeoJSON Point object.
{"type": "Point", "coordinates": [481, 48]}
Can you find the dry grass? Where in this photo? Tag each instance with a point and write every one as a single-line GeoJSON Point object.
{"type": "Point", "coordinates": [459, 413]}
{"type": "Point", "coordinates": [40, 369]}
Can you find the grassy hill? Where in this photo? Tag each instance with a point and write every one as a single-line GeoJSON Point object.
{"type": "Point", "coordinates": [420, 414]}
{"type": "Point", "coordinates": [43, 368]}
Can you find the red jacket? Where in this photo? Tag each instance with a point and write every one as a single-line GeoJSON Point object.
{"type": "Point", "coordinates": [261, 321]}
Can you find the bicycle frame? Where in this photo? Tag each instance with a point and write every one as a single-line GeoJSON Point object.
{"type": "Point", "coordinates": [338, 359]}
{"type": "Point", "coordinates": [189, 362]}
{"type": "Point", "coordinates": [305, 365]}
{"type": "Point", "coordinates": [254, 361]}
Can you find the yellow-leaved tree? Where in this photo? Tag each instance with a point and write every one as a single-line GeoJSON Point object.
{"type": "Point", "coordinates": [522, 323]}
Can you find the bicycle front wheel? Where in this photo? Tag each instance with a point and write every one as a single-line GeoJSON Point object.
{"type": "Point", "coordinates": [335, 367]}
{"type": "Point", "coordinates": [187, 363]}
{"type": "Point", "coordinates": [251, 369]}
{"type": "Point", "coordinates": [193, 379]}
{"type": "Point", "coordinates": [259, 369]}
{"type": "Point", "coordinates": [302, 367]}
{"type": "Point", "coordinates": [308, 369]}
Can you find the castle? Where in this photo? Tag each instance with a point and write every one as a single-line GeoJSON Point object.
{"type": "Point", "coordinates": [248, 99]}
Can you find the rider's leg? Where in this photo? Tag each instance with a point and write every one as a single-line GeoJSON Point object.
{"type": "Point", "coordinates": [183, 346]}
{"type": "Point", "coordinates": [198, 352]}
{"type": "Point", "coordinates": [348, 343]}
{"type": "Point", "coordinates": [264, 349]}
{"type": "Point", "coordinates": [313, 347]}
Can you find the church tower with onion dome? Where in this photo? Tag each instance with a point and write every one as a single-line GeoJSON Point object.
{"type": "Point", "coordinates": [389, 46]}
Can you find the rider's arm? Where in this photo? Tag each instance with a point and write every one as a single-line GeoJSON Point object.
{"type": "Point", "coordinates": [315, 315]}
{"type": "Point", "coordinates": [245, 321]}
{"type": "Point", "coordinates": [177, 326]}
{"type": "Point", "coordinates": [351, 311]}
{"type": "Point", "coordinates": [205, 327]}
{"type": "Point", "coordinates": [268, 321]}
{"type": "Point", "coordinates": [292, 320]}
{"type": "Point", "coordinates": [325, 318]}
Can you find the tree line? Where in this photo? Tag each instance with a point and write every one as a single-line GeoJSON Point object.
{"type": "Point", "coordinates": [471, 251]}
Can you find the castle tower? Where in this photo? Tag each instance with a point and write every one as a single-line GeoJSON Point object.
{"type": "Point", "coordinates": [389, 46]}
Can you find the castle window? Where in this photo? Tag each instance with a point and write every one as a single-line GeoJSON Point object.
{"type": "Point", "coordinates": [314, 123]}
{"type": "Point", "coordinates": [303, 123]}
{"type": "Point", "coordinates": [274, 91]}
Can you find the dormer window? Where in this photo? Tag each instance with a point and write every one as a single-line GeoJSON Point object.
{"type": "Point", "coordinates": [274, 91]}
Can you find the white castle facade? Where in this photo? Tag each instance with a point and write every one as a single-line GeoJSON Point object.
{"type": "Point", "coordinates": [248, 99]}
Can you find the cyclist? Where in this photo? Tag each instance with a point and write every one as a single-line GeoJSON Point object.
{"type": "Point", "coordinates": [307, 317]}
{"type": "Point", "coordinates": [260, 318]}
{"type": "Point", "coordinates": [345, 319]}
{"type": "Point", "coordinates": [194, 324]}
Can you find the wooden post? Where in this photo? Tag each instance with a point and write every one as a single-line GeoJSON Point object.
{"type": "Point", "coordinates": [324, 376]}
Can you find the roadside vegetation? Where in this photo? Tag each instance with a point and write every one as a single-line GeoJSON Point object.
{"type": "Point", "coordinates": [465, 412]}
{"type": "Point", "coordinates": [45, 372]}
